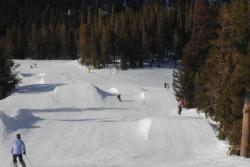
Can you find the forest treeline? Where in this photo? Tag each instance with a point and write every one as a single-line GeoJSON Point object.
{"type": "Point", "coordinates": [97, 32]}
{"type": "Point", "coordinates": [210, 38]}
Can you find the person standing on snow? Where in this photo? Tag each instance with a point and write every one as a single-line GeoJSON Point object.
{"type": "Point", "coordinates": [166, 85]}
{"type": "Point", "coordinates": [119, 97]}
{"type": "Point", "coordinates": [179, 109]}
{"type": "Point", "coordinates": [18, 148]}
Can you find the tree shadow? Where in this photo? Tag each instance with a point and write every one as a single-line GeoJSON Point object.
{"type": "Point", "coordinates": [36, 88]}
{"type": "Point", "coordinates": [73, 109]}
{"type": "Point", "coordinates": [184, 118]}
{"type": "Point", "coordinates": [26, 74]}
{"type": "Point", "coordinates": [214, 127]}
{"type": "Point", "coordinates": [128, 101]}
{"type": "Point", "coordinates": [23, 120]}
{"type": "Point", "coordinates": [90, 120]}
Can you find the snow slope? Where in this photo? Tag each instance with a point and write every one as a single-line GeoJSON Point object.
{"type": "Point", "coordinates": [69, 117]}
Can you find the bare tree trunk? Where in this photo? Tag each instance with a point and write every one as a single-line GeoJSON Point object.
{"type": "Point", "coordinates": [245, 129]}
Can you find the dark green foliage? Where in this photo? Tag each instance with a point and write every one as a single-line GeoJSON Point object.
{"type": "Point", "coordinates": [196, 50]}
{"type": "Point", "coordinates": [8, 79]}
{"type": "Point", "coordinates": [231, 63]}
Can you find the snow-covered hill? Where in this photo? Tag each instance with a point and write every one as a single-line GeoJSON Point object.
{"type": "Point", "coordinates": [69, 117]}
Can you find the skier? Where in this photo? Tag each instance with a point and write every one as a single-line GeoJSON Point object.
{"type": "Point", "coordinates": [180, 105]}
{"type": "Point", "coordinates": [179, 108]}
{"type": "Point", "coordinates": [166, 85]}
{"type": "Point", "coordinates": [18, 148]}
{"type": "Point", "coordinates": [119, 97]}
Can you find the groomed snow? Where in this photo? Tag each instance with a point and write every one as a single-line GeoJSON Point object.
{"type": "Point", "coordinates": [69, 117]}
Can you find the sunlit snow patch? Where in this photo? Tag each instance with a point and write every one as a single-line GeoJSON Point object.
{"type": "Point", "coordinates": [142, 96]}
{"type": "Point", "coordinates": [143, 127]}
{"type": "Point", "coordinates": [55, 90]}
{"type": "Point", "coordinates": [41, 74]}
{"type": "Point", "coordinates": [42, 81]}
{"type": "Point", "coordinates": [114, 90]}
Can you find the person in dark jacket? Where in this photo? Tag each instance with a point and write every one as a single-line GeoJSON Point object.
{"type": "Point", "coordinates": [119, 97]}
{"type": "Point", "coordinates": [179, 109]}
{"type": "Point", "coordinates": [166, 85]}
{"type": "Point", "coordinates": [17, 150]}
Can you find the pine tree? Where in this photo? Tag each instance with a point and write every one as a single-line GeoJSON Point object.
{"type": "Point", "coordinates": [124, 42]}
{"type": "Point", "coordinates": [96, 49]}
{"type": "Point", "coordinates": [63, 40]}
{"type": "Point", "coordinates": [8, 79]}
{"type": "Point", "coordinates": [72, 46]}
{"type": "Point", "coordinates": [224, 78]}
{"type": "Point", "coordinates": [161, 35]}
{"type": "Point", "coordinates": [33, 43]}
{"type": "Point", "coordinates": [8, 44]}
{"type": "Point", "coordinates": [83, 44]}
{"type": "Point", "coordinates": [179, 33]}
{"type": "Point", "coordinates": [105, 44]}
{"type": "Point", "coordinates": [196, 49]}
{"type": "Point", "coordinates": [235, 73]}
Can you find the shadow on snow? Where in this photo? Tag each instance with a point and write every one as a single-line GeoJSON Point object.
{"type": "Point", "coordinates": [90, 120]}
{"type": "Point", "coordinates": [26, 74]}
{"type": "Point", "coordinates": [23, 120]}
{"type": "Point", "coordinates": [36, 88]}
{"type": "Point", "coordinates": [73, 109]}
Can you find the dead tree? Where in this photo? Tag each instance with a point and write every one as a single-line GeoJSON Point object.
{"type": "Point", "coordinates": [245, 129]}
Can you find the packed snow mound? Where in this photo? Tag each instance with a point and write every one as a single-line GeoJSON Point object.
{"type": "Point", "coordinates": [181, 137]}
{"type": "Point", "coordinates": [78, 95]}
{"type": "Point", "coordinates": [42, 75]}
{"type": "Point", "coordinates": [156, 101]}
{"type": "Point", "coordinates": [142, 96]}
{"type": "Point", "coordinates": [26, 116]}
{"type": "Point", "coordinates": [144, 127]}
{"type": "Point", "coordinates": [175, 138]}
{"type": "Point", "coordinates": [24, 119]}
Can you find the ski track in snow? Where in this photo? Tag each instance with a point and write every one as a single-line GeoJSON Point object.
{"type": "Point", "coordinates": [69, 117]}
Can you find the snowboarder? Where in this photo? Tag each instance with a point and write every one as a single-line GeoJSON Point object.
{"type": "Point", "coordinates": [180, 105]}
{"type": "Point", "coordinates": [119, 97]}
{"type": "Point", "coordinates": [18, 149]}
{"type": "Point", "coordinates": [166, 85]}
{"type": "Point", "coordinates": [179, 108]}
